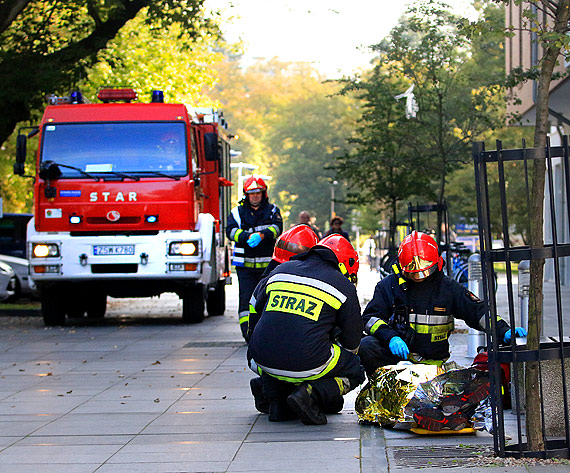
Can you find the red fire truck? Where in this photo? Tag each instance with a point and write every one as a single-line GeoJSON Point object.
{"type": "Point", "coordinates": [131, 200]}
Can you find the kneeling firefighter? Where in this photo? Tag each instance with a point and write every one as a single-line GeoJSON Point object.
{"type": "Point", "coordinates": [307, 331]}
{"type": "Point", "coordinates": [299, 239]}
{"type": "Point", "coordinates": [411, 314]}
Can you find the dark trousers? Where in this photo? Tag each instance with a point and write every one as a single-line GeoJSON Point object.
{"type": "Point", "coordinates": [329, 390]}
{"type": "Point", "coordinates": [373, 354]}
{"type": "Point", "coordinates": [248, 279]}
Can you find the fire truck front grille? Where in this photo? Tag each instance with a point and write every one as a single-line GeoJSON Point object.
{"type": "Point", "coordinates": [114, 268]}
{"type": "Point", "coordinates": [104, 221]}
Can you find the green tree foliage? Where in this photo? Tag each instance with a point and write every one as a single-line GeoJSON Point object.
{"type": "Point", "coordinates": [179, 64]}
{"type": "Point", "coordinates": [310, 134]}
{"type": "Point", "coordinates": [456, 103]}
{"type": "Point", "coordinates": [292, 125]}
{"type": "Point", "coordinates": [461, 189]}
{"type": "Point", "coordinates": [47, 45]}
{"type": "Point", "coordinates": [383, 169]}
{"type": "Point", "coordinates": [171, 49]}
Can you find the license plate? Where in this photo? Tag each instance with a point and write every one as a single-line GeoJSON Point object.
{"type": "Point", "coordinates": [101, 250]}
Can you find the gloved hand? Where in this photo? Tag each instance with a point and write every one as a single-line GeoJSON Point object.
{"type": "Point", "coordinates": [519, 332]}
{"type": "Point", "coordinates": [399, 348]}
{"type": "Point", "coordinates": [254, 240]}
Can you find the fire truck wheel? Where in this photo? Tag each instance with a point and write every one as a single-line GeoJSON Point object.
{"type": "Point", "coordinates": [53, 307]}
{"type": "Point", "coordinates": [75, 303]}
{"type": "Point", "coordinates": [193, 304]}
{"type": "Point", "coordinates": [97, 306]}
{"type": "Point", "coordinates": [216, 299]}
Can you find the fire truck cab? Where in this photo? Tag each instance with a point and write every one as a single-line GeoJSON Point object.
{"type": "Point", "coordinates": [130, 200]}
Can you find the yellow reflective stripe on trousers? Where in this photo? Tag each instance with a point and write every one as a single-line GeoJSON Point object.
{"type": "Point", "coordinates": [307, 290]}
{"type": "Point", "coordinates": [290, 379]}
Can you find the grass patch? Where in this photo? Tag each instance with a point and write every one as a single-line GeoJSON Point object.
{"type": "Point", "coordinates": [30, 305]}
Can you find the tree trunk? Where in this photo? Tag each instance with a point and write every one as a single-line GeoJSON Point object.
{"type": "Point", "coordinates": [532, 382]}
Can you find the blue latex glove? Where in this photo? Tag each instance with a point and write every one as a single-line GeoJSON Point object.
{"type": "Point", "coordinates": [254, 240]}
{"type": "Point", "coordinates": [399, 348]}
{"type": "Point", "coordinates": [519, 332]}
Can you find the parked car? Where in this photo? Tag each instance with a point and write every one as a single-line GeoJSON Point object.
{"type": "Point", "coordinates": [7, 281]}
{"type": "Point", "coordinates": [13, 229]}
{"type": "Point", "coordinates": [24, 286]}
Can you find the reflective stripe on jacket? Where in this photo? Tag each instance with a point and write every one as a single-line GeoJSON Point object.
{"type": "Point", "coordinates": [295, 313]}
{"type": "Point", "coordinates": [242, 222]}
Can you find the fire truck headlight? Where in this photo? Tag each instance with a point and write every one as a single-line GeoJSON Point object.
{"type": "Point", "coordinates": [75, 219]}
{"type": "Point", "coordinates": [45, 250]}
{"type": "Point", "coordinates": [184, 248]}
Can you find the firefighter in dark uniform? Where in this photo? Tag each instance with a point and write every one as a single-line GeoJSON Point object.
{"type": "Point", "coordinates": [307, 329]}
{"type": "Point", "coordinates": [254, 225]}
{"type": "Point", "coordinates": [411, 314]}
{"type": "Point", "coordinates": [297, 240]}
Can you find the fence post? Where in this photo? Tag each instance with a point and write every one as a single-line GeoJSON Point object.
{"type": "Point", "coordinates": [475, 338]}
{"type": "Point", "coordinates": [524, 283]}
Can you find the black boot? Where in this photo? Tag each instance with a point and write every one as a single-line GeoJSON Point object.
{"type": "Point", "coordinates": [244, 334]}
{"type": "Point", "coordinates": [279, 411]}
{"type": "Point", "coordinates": [303, 402]}
{"type": "Point", "coordinates": [261, 402]}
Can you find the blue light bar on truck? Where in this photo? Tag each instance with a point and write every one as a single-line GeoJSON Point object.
{"type": "Point", "coordinates": [157, 96]}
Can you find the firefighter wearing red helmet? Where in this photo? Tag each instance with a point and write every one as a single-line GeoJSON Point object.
{"type": "Point", "coordinates": [299, 239]}
{"type": "Point", "coordinates": [412, 312]}
{"type": "Point", "coordinates": [296, 240]}
{"type": "Point", "coordinates": [253, 225]}
{"type": "Point", "coordinates": [299, 312]}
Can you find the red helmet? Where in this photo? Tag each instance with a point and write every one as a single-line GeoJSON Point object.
{"type": "Point", "coordinates": [254, 184]}
{"type": "Point", "coordinates": [345, 254]}
{"type": "Point", "coordinates": [297, 240]}
{"type": "Point", "coordinates": [419, 256]}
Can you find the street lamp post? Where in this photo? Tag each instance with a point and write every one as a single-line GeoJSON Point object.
{"type": "Point", "coordinates": [333, 214]}
{"type": "Point", "coordinates": [240, 167]}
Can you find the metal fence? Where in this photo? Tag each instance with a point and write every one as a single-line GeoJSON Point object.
{"type": "Point", "coordinates": [493, 201]}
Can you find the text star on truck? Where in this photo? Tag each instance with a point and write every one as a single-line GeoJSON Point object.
{"type": "Point", "coordinates": [130, 200]}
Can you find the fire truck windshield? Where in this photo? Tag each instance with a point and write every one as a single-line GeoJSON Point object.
{"type": "Point", "coordinates": [149, 148]}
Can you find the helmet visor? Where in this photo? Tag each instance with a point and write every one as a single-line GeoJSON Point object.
{"type": "Point", "coordinates": [418, 269]}
{"type": "Point", "coordinates": [417, 264]}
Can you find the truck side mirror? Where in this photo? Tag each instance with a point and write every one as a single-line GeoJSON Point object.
{"type": "Point", "coordinates": [211, 150]}
{"type": "Point", "coordinates": [21, 150]}
{"type": "Point", "coordinates": [49, 171]}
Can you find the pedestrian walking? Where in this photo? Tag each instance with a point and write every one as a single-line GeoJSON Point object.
{"type": "Point", "coordinates": [336, 228]}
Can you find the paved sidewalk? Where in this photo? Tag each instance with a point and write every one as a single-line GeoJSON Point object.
{"type": "Point", "coordinates": [142, 392]}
